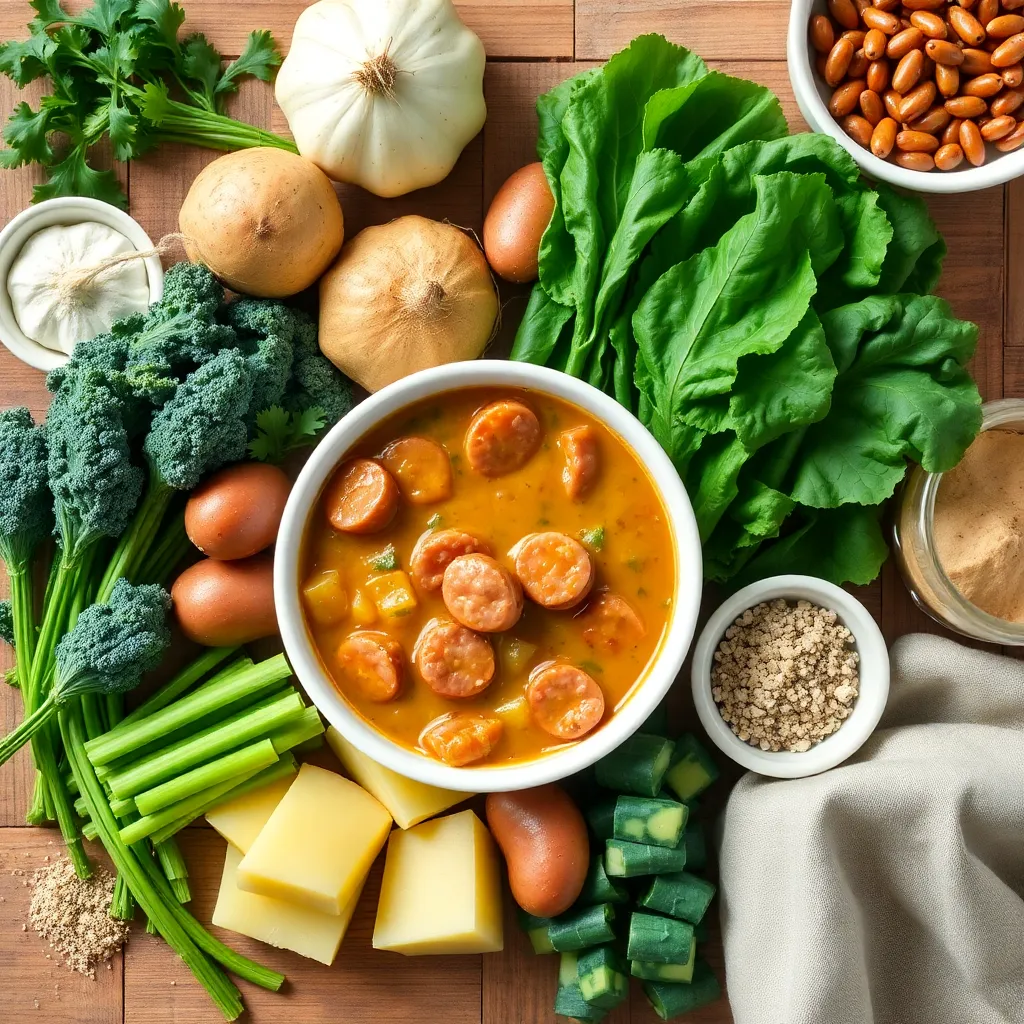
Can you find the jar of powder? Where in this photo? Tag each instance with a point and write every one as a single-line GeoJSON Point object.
{"type": "Point", "coordinates": [959, 536]}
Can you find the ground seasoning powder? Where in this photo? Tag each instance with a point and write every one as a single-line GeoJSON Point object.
{"type": "Point", "coordinates": [785, 677]}
{"type": "Point", "coordinates": [71, 914]}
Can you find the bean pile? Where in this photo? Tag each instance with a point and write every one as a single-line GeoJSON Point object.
{"type": "Point", "coordinates": [925, 83]}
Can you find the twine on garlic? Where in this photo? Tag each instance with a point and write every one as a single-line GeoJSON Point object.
{"type": "Point", "coordinates": [73, 282]}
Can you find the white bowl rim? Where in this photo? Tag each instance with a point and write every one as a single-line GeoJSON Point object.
{"type": "Point", "coordinates": [873, 671]}
{"type": "Point", "coordinates": [664, 668]}
{"type": "Point", "coordinates": [995, 171]}
{"type": "Point", "coordinates": [62, 210]}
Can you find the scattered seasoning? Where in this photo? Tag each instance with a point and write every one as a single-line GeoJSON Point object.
{"type": "Point", "coordinates": [785, 676]}
{"type": "Point", "coordinates": [71, 914]}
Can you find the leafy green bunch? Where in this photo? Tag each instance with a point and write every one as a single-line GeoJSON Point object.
{"type": "Point", "coordinates": [759, 306]}
{"type": "Point", "coordinates": [119, 70]}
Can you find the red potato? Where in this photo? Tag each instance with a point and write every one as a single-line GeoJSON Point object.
{"type": "Point", "coordinates": [543, 836]}
{"type": "Point", "coordinates": [516, 221]}
{"type": "Point", "coordinates": [236, 512]}
{"type": "Point", "coordinates": [221, 604]}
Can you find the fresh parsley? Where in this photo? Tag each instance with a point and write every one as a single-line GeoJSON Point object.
{"type": "Point", "coordinates": [279, 432]}
{"type": "Point", "coordinates": [593, 538]}
{"type": "Point", "coordinates": [386, 560]}
{"type": "Point", "coordinates": [119, 71]}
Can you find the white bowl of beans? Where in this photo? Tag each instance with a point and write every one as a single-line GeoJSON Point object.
{"type": "Point", "coordinates": [924, 94]}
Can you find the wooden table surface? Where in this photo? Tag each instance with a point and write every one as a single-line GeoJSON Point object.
{"type": "Point", "coordinates": [532, 45]}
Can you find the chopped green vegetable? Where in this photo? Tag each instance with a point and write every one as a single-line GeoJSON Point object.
{"type": "Point", "coordinates": [601, 974]}
{"type": "Point", "coordinates": [279, 432]}
{"type": "Point", "coordinates": [682, 895]}
{"type": "Point", "coordinates": [696, 846]}
{"type": "Point", "coordinates": [112, 68]}
{"type": "Point", "coordinates": [598, 887]}
{"type": "Point", "coordinates": [669, 1000]}
{"type": "Point", "coordinates": [386, 560]}
{"type": "Point", "coordinates": [649, 820]}
{"type": "Point", "coordinates": [569, 1001]}
{"type": "Point", "coordinates": [692, 769]}
{"type": "Point", "coordinates": [681, 973]}
{"type": "Point", "coordinates": [582, 929]}
{"type": "Point", "coordinates": [657, 939]}
{"type": "Point", "coordinates": [536, 929]}
{"type": "Point", "coordinates": [601, 818]}
{"type": "Point", "coordinates": [435, 521]}
{"type": "Point", "coordinates": [627, 860]}
{"type": "Point", "coordinates": [636, 766]}
{"type": "Point", "coordinates": [593, 538]}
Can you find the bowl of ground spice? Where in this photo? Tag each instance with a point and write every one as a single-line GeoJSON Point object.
{"type": "Point", "coordinates": [790, 676]}
{"type": "Point", "coordinates": [959, 535]}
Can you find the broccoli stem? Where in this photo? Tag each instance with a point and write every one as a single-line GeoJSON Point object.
{"type": "Point", "coordinates": [30, 725]}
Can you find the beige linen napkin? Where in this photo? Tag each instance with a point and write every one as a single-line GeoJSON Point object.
{"type": "Point", "coordinates": [890, 890]}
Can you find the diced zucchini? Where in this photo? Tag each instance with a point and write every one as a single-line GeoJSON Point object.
{"type": "Point", "coordinates": [649, 820]}
{"type": "Point", "coordinates": [569, 1002]}
{"type": "Point", "coordinates": [657, 939]}
{"type": "Point", "coordinates": [649, 970]}
{"type": "Point", "coordinates": [692, 769]}
{"type": "Point", "coordinates": [325, 598]}
{"type": "Point", "coordinates": [670, 1000]}
{"type": "Point", "coordinates": [568, 973]}
{"type": "Point", "coordinates": [638, 766]}
{"type": "Point", "coordinates": [392, 594]}
{"type": "Point", "coordinates": [681, 895]}
{"type": "Point", "coordinates": [602, 977]}
{"type": "Point", "coordinates": [583, 928]}
{"type": "Point", "coordinates": [598, 887]}
{"type": "Point", "coordinates": [364, 611]}
{"type": "Point", "coordinates": [601, 818]}
{"type": "Point", "coordinates": [696, 846]}
{"type": "Point", "coordinates": [536, 929]}
{"type": "Point", "coordinates": [514, 656]}
{"type": "Point", "coordinates": [627, 860]}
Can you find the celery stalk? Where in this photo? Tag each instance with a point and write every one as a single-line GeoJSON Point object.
{"type": "Point", "coordinates": [298, 732]}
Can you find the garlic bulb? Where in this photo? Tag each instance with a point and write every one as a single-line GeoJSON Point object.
{"type": "Point", "coordinates": [383, 93]}
{"type": "Point", "coordinates": [56, 310]}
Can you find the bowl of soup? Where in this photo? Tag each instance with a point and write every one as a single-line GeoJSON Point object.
{"type": "Point", "coordinates": [487, 576]}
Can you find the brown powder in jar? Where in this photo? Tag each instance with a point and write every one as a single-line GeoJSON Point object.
{"type": "Point", "coordinates": [978, 524]}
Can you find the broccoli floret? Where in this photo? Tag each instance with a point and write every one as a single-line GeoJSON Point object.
{"type": "Point", "coordinates": [95, 487]}
{"type": "Point", "coordinates": [316, 382]}
{"type": "Point", "coordinates": [265, 333]}
{"type": "Point", "coordinates": [107, 351]}
{"type": "Point", "coordinates": [203, 426]}
{"type": "Point", "coordinates": [110, 648]}
{"type": "Point", "coordinates": [6, 623]}
{"type": "Point", "coordinates": [26, 514]}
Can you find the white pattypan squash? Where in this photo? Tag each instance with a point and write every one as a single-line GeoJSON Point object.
{"type": "Point", "coordinates": [383, 93]}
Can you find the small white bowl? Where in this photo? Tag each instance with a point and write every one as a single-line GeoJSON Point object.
{"type": "Point", "coordinates": [873, 669]}
{"type": "Point", "coordinates": [812, 96]}
{"type": "Point", "coordinates": [662, 671]}
{"type": "Point", "coordinates": [66, 210]}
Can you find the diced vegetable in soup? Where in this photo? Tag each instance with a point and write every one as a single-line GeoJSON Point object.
{"type": "Point", "coordinates": [487, 576]}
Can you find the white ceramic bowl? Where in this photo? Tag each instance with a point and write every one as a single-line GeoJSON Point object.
{"type": "Point", "coordinates": [66, 210]}
{"type": "Point", "coordinates": [812, 95]}
{"type": "Point", "coordinates": [661, 673]}
{"type": "Point", "coordinates": [874, 678]}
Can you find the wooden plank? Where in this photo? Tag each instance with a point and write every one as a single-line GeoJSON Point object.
{"type": "Point", "coordinates": [507, 28]}
{"type": "Point", "coordinates": [35, 984]}
{"type": "Point", "coordinates": [363, 985]}
{"type": "Point", "coordinates": [726, 29]}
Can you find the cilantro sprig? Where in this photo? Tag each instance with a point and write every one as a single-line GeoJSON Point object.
{"type": "Point", "coordinates": [119, 71]}
{"type": "Point", "coordinates": [279, 432]}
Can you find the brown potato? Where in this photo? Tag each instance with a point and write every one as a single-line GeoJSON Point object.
{"type": "Point", "coordinates": [516, 220]}
{"type": "Point", "coordinates": [235, 513]}
{"type": "Point", "coordinates": [221, 604]}
{"type": "Point", "coordinates": [543, 836]}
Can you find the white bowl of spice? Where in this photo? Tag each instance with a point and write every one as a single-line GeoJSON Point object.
{"type": "Point", "coordinates": [60, 279]}
{"type": "Point", "coordinates": [799, 668]}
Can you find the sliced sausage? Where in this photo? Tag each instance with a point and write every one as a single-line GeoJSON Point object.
{"type": "Point", "coordinates": [555, 570]}
{"type": "Point", "coordinates": [460, 738]}
{"type": "Point", "coordinates": [564, 701]}
{"type": "Point", "coordinates": [422, 469]}
{"type": "Point", "coordinates": [452, 660]}
{"type": "Point", "coordinates": [374, 663]}
{"type": "Point", "coordinates": [362, 497]}
{"type": "Point", "coordinates": [435, 550]}
{"type": "Point", "coordinates": [610, 624]}
{"type": "Point", "coordinates": [481, 593]}
{"type": "Point", "coordinates": [582, 453]}
{"type": "Point", "coordinates": [502, 437]}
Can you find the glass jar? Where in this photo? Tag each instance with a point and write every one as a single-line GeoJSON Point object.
{"type": "Point", "coordinates": [914, 545]}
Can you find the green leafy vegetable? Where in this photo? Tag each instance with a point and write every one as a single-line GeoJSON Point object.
{"type": "Point", "coordinates": [279, 432]}
{"type": "Point", "coordinates": [112, 69]}
{"type": "Point", "coordinates": [386, 560]}
{"type": "Point", "coordinates": [758, 305]}
{"type": "Point", "coordinates": [593, 538]}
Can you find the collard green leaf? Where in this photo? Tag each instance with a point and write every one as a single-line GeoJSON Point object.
{"type": "Point", "coordinates": [902, 392]}
{"type": "Point", "coordinates": [712, 479]}
{"type": "Point", "coordinates": [913, 260]}
{"type": "Point", "coordinates": [755, 516]}
{"type": "Point", "coordinates": [541, 327]}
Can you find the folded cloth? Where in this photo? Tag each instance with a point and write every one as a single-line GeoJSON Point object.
{"type": "Point", "coordinates": [889, 890]}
